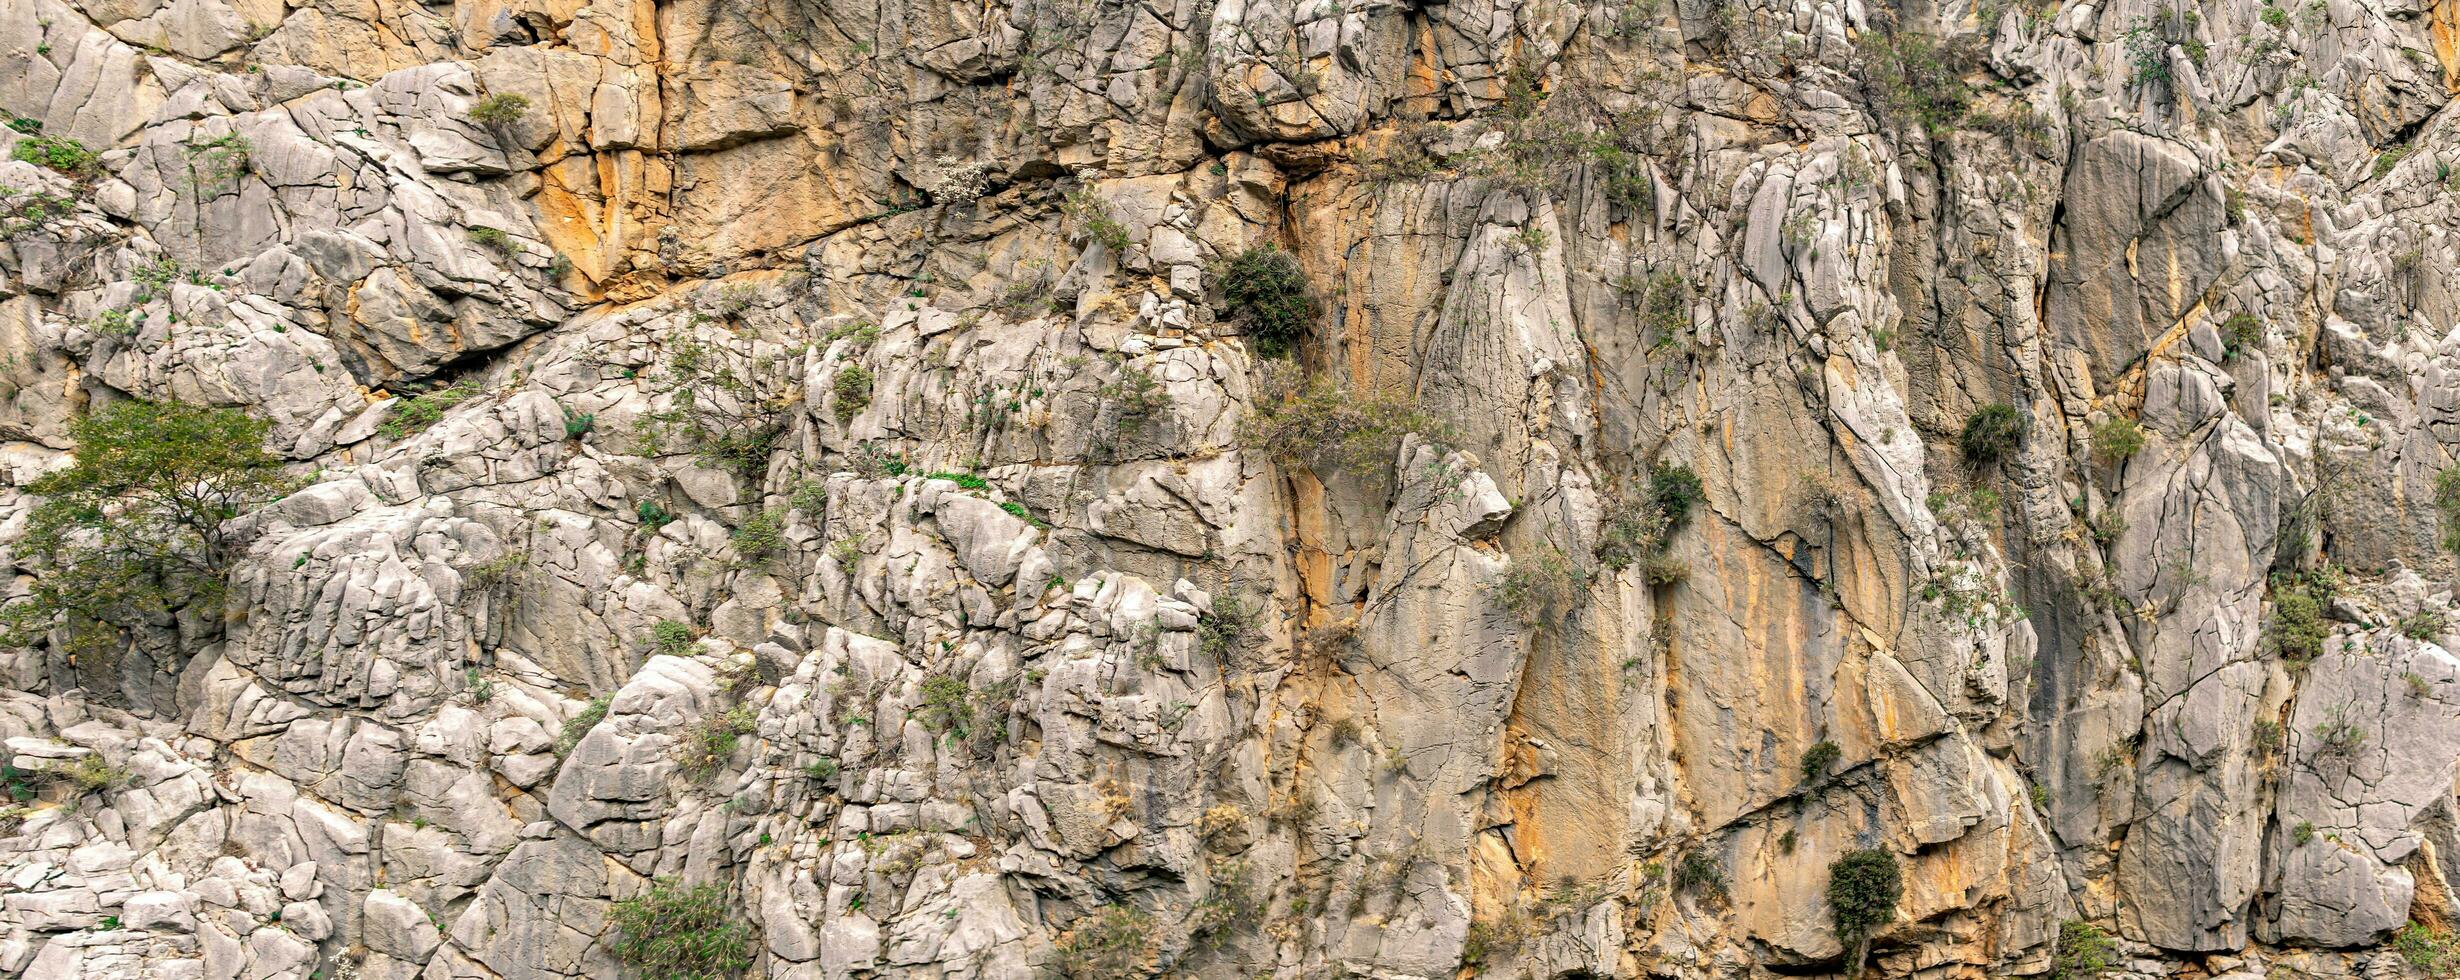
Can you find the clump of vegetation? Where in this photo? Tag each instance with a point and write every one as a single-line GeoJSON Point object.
{"type": "Point", "coordinates": [1264, 291]}
{"type": "Point", "coordinates": [89, 774]}
{"type": "Point", "coordinates": [1227, 629]}
{"type": "Point", "coordinates": [2084, 952]}
{"type": "Point", "coordinates": [577, 727]}
{"type": "Point", "coordinates": [675, 639]}
{"type": "Point", "coordinates": [1863, 889]}
{"type": "Point", "coordinates": [1918, 80]}
{"type": "Point", "coordinates": [708, 744]}
{"type": "Point", "coordinates": [1541, 588]}
{"type": "Point", "coordinates": [1138, 396]}
{"type": "Point", "coordinates": [2297, 631]}
{"type": "Point", "coordinates": [1818, 759]}
{"type": "Point", "coordinates": [58, 153]}
{"type": "Point", "coordinates": [495, 240]}
{"type": "Point", "coordinates": [1699, 872]}
{"type": "Point", "coordinates": [26, 212]}
{"type": "Point", "coordinates": [671, 932]}
{"type": "Point", "coordinates": [2432, 951]}
{"type": "Point", "coordinates": [1991, 432]}
{"type": "Point", "coordinates": [1094, 219]}
{"type": "Point", "coordinates": [499, 110]}
{"type": "Point", "coordinates": [2447, 507]}
{"type": "Point", "coordinates": [419, 411]}
{"type": "Point", "coordinates": [762, 537]}
{"type": "Point", "coordinates": [730, 414]}
{"type": "Point", "coordinates": [1114, 943]}
{"type": "Point", "coordinates": [136, 528]}
{"type": "Point", "coordinates": [1675, 489]}
{"type": "Point", "coordinates": [821, 770]}
{"type": "Point", "coordinates": [1665, 310]}
{"type": "Point", "coordinates": [2240, 333]}
{"type": "Point", "coordinates": [2117, 439]}
{"type": "Point", "coordinates": [947, 704]}
{"type": "Point", "coordinates": [853, 391]}
{"type": "Point", "coordinates": [2341, 737]}
{"type": "Point", "coordinates": [2424, 624]}
{"type": "Point", "coordinates": [1356, 432]}
{"type": "Point", "coordinates": [219, 161]}
{"type": "Point", "coordinates": [1631, 531]}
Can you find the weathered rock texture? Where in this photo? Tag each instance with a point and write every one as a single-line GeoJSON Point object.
{"type": "Point", "coordinates": [1290, 710]}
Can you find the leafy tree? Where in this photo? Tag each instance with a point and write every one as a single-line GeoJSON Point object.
{"type": "Point", "coordinates": [1863, 888]}
{"type": "Point", "coordinates": [137, 529]}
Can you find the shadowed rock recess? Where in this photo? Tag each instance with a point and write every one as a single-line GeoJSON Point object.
{"type": "Point", "coordinates": [1394, 489]}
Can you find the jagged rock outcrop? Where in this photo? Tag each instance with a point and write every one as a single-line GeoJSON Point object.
{"type": "Point", "coordinates": [821, 481]}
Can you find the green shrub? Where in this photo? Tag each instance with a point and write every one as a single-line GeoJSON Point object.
{"type": "Point", "coordinates": [2447, 507]}
{"type": "Point", "coordinates": [1227, 629]}
{"type": "Point", "coordinates": [136, 528]}
{"type": "Point", "coordinates": [1991, 432]}
{"type": "Point", "coordinates": [1541, 589]}
{"type": "Point", "coordinates": [1349, 431]}
{"type": "Point", "coordinates": [58, 153]}
{"type": "Point", "coordinates": [821, 771]}
{"type": "Point", "coordinates": [499, 110]}
{"type": "Point", "coordinates": [1863, 889]}
{"type": "Point", "coordinates": [578, 424]}
{"type": "Point", "coordinates": [2117, 439]}
{"type": "Point", "coordinates": [2432, 951]}
{"type": "Point", "coordinates": [1139, 396]}
{"type": "Point", "coordinates": [1264, 291]}
{"type": "Point", "coordinates": [762, 537]}
{"type": "Point", "coordinates": [415, 413]}
{"type": "Point", "coordinates": [577, 727]}
{"type": "Point", "coordinates": [495, 240]}
{"type": "Point", "coordinates": [1818, 759]}
{"type": "Point", "coordinates": [2240, 333]}
{"type": "Point", "coordinates": [1675, 489]}
{"type": "Point", "coordinates": [2084, 952]}
{"type": "Point", "coordinates": [672, 638]}
{"type": "Point", "coordinates": [653, 516]}
{"type": "Point", "coordinates": [1116, 942]}
{"type": "Point", "coordinates": [89, 774]}
{"type": "Point", "coordinates": [853, 390]}
{"type": "Point", "coordinates": [947, 704]}
{"type": "Point", "coordinates": [708, 744]}
{"type": "Point", "coordinates": [2424, 624]}
{"type": "Point", "coordinates": [1700, 872]}
{"type": "Point", "coordinates": [26, 212]}
{"type": "Point", "coordinates": [730, 417]}
{"type": "Point", "coordinates": [675, 933]}
{"type": "Point", "coordinates": [1631, 531]}
{"type": "Point", "coordinates": [1918, 80]}
{"type": "Point", "coordinates": [2298, 630]}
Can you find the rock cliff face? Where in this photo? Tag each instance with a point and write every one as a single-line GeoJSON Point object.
{"type": "Point", "coordinates": [1249, 489]}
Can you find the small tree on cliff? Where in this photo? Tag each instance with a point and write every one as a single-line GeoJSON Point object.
{"type": "Point", "coordinates": [135, 531]}
{"type": "Point", "coordinates": [1863, 888]}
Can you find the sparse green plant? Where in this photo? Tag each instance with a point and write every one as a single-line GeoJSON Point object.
{"type": "Point", "coordinates": [417, 412]}
{"type": "Point", "coordinates": [499, 110]}
{"type": "Point", "coordinates": [2424, 624]}
{"type": "Point", "coordinates": [709, 743]}
{"type": "Point", "coordinates": [853, 390]}
{"type": "Point", "coordinates": [2447, 506]}
{"type": "Point", "coordinates": [577, 727]}
{"type": "Point", "coordinates": [730, 411]}
{"type": "Point", "coordinates": [1226, 630]}
{"type": "Point", "coordinates": [1818, 759]}
{"type": "Point", "coordinates": [89, 773]}
{"type": "Point", "coordinates": [578, 424]}
{"type": "Point", "coordinates": [1675, 489]}
{"type": "Point", "coordinates": [1917, 80]}
{"type": "Point", "coordinates": [1698, 872]}
{"type": "Point", "coordinates": [1094, 219]}
{"type": "Point", "coordinates": [1355, 432]}
{"type": "Point", "coordinates": [673, 932]}
{"type": "Point", "coordinates": [2083, 952]}
{"type": "Point", "coordinates": [1116, 942]}
{"type": "Point", "coordinates": [947, 704]}
{"type": "Point", "coordinates": [761, 537]}
{"type": "Point", "coordinates": [495, 240]}
{"type": "Point", "coordinates": [1541, 588]}
{"type": "Point", "coordinates": [672, 638]}
{"type": "Point", "coordinates": [58, 153]}
{"type": "Point", "coordinates": [1991, 432]}
{"type": "Point", "coordinates": [2303, 832]}
{"type": "Point", "coordinates": [2297, 630]}
{"type": "Point", "coordinates": [1138, 396]}
{"type": "Point", "coordinates": [2433, 952]}
{"type": "Point", "coordinates": [2240, 333]}
{"type": "Point", "coordinates": [2117, 439]}
{"type": "Point", "coordinates": [821, 770]}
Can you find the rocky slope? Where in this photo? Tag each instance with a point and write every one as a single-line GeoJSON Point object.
{"type": "Point", "coordinates": [868, 463]}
